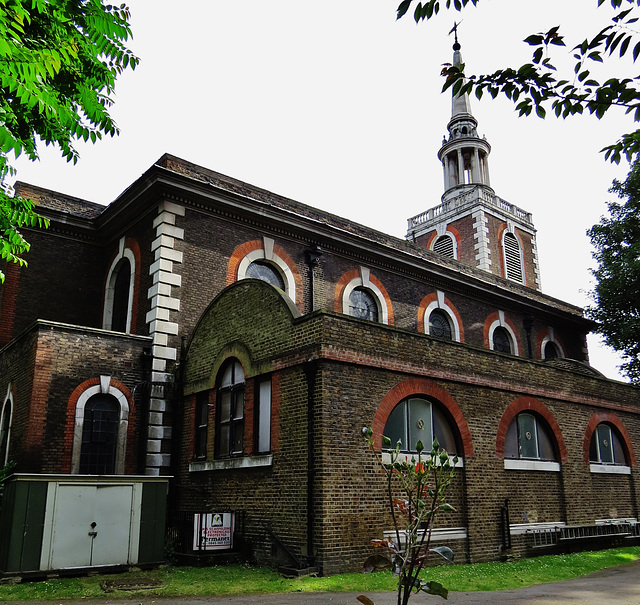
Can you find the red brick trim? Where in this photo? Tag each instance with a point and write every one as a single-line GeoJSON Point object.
{"type": "Point", "coordinates": [608, 417]}
{"type": "Point", "coordinates": [417, 387]}
{"type": "Point", "coordinates": [422, 309]}
{"type": "Point", "coordinates": [503, 269]}
{"type": "Point", "coordinates": [529, 404]}
{"type": "Point", "coordinates": [347, 278]}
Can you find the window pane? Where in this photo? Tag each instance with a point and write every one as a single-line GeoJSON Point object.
{"type": "Point", "coordinates": [511, 449]}
{"type": "Point", "coordinates": [604, 444]}
{"type": "Point", "coordinates": [618, 451]}
{"type": "Point", "coordinates": [545, 442]}
{"type": "Point", "coordinates": [238, 437]}
{"type": "Point", "coordinates": [442, 431]}
{"type": "Point", "coordinates": [439, 325]}
{"type": "Point", "coordinates": [264, 416]}
{"type": "Point", "coordinates": [396, 426]}
{"type": "Point", "coordinates": [363, 305]}
{"type": "Point", "coordinates": [99, 436]}
{"type": "Point", "coordinates": [527, 436]}
{"type": "Point", "coordinates": [266, 272]}
{"type": "Point", "coordinates": [420, 424]}
{"type": "Point", "coordinates": [501, 340]}
{"type": "Point", "coordinates": [223, 440]}
{"type": "Point", "coordinates": [225, 407]}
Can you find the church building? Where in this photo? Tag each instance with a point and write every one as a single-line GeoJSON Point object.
{"type": "Point", "coordinates": [235, 342]}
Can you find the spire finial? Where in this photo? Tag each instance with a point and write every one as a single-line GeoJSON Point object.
{"type": "Point", "coordinates": [454, 31]}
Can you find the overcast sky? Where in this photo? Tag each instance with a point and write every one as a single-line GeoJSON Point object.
{"type": "Point", "coordinates": [338, 105]}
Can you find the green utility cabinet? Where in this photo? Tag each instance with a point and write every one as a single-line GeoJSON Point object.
{"type": "Point", "coordinates": [54, 522]}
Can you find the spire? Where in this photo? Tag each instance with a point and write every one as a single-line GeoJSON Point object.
{"type": "Point", "coordinates": [464, 155]}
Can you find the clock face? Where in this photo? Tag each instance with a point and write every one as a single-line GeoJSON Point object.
{"type": "Point", "coordinates": [362, 305]}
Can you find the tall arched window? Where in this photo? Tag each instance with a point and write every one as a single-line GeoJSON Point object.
{"type": "Point", "coordinates": [419, 419]}
{"type": "Point", "coordinates": [121, 293]}
{"type": "Point", "coordinates": [6, 417]}
{"type": "Point", "coordinates": [230, 410]}
{"type": "Point", "coordinates": [512, 258]}
{"type": "Point", "coordinates": [99, 435]}
{"type": "Point", "coordinates": [606, 446]}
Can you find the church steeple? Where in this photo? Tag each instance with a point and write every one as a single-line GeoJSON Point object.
{"type": "Point", "coordinates": [464, 155]}
{"type": "Point", "coordinates": [472, 224]}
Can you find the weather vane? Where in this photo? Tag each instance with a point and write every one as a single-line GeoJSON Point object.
{"type": "Point", "coordinates": [454, 31]}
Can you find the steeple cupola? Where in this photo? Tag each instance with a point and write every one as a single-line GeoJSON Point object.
{"type": "Point", "coordinates": [472, 224]}
{"type": "Point", "coordinates": [464, 155]}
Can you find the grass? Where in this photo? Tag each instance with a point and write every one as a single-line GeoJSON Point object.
{"type": "Point", "coordinates": [238, 579]}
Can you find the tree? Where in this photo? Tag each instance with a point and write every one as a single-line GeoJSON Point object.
{"type": "Point", "coordinates": [616, 239]}
{"type": "Point", "coordinates": [535, 86]}
{"type": "Point", "coordinates": [59, 60]}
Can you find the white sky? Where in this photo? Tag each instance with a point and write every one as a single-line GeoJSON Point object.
{"type": "Point", "coordinates": [338, 105]}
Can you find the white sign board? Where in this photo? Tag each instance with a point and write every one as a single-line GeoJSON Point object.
{"type": "Point", "coordinates": [213, 531]}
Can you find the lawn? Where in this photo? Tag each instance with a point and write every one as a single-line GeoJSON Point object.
{"type": "Point", "coordinates": [239, 579]}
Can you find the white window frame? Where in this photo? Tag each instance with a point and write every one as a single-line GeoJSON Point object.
{"type": "Point", "coordinates": [106, 388]}
{"type": "Point", "coordinates": [364, 281]}
{"type": "Point", "coordinates": [8, 401]}
{"type": "Point", "coordinates": [107, 315]}
{"type": "Point", "coordinates": [501, 323]}
{"type": "Point", "coordinates": [267, 254]}
{"type": "Point", "coordinates": [440, 304]}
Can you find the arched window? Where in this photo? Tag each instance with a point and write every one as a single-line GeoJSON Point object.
{"type": "Point", "coordinates": [445, 245]}
{"type": "Point", "coordinates": [418, 419]}
{"type": "Point", "coordinates": [512, 258]}
{"type": "Point", "coordinates": [551, 350]}
{"type": "Point", "coordinates": [501, 340]}
{"type": "Point", "coordinates": [99, 435]}
{"type": "Point", "coordinates": [230, 410]}
{"type": "Point", "coordinates": [120, 311]}
{"type": "Point", "coordinates": [266, 271]}
{"type": "Point", "coordinates": [440, 325]}
{"type": "Point", "coordinates": [529, 438]}
{"type": "Point", "coordinates": [606, 446]}
{"type": "Point", "coordinates": [118, 298]}
{"type": "Point", "coordinates": [6, 418]}
{"type": "Point", "coordinates": [363, 305]}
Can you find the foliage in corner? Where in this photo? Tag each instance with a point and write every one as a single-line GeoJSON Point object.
{"type": "Point", "coordinates": [59, 60]}
{"type": "Point", "coordinates": [616, 239]}
{"type": "Point", "coordinates": [536, 87]}
{"type": "Point", "coordinates": [421, 482]}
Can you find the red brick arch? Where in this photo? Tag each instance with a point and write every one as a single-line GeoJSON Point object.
{"type": "Point", "coordinates": [417, 387]}
{"type": "Point", "coordinates": [453, 231]}
{"type": "Point", "coordinates": [348, 277]}
{"type": "Point", "coordinates": [529, 404]}
{"type": "Point", "coordinates": [608, 417]}
{"type": "Point", "coordinates": [422, 308]}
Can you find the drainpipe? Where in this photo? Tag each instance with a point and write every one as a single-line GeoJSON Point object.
{"type": "Point", "coordinates": [310, 369]}
{"type": "Point", "coordinates": [312, 256]}
{"type": "Point", "coordinates": [528, 325]}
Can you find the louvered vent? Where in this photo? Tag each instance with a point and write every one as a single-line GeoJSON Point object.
{"type": "Point", "coordinates": [512, 257]}
{"type": "Point", "coordinates": [444, 246]}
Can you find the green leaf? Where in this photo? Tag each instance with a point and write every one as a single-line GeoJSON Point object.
{"type": "Point", "coordinates": [435, 588]}
{"type": "Point", "coordinates": [444, 551]}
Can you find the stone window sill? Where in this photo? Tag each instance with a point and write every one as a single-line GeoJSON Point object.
{"type": "Point", "coordinates": [610, 469]}
{"type": "Point", "coordinates": [532, 465]}
{"type": "Point", "coordinates": [231, 463]}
